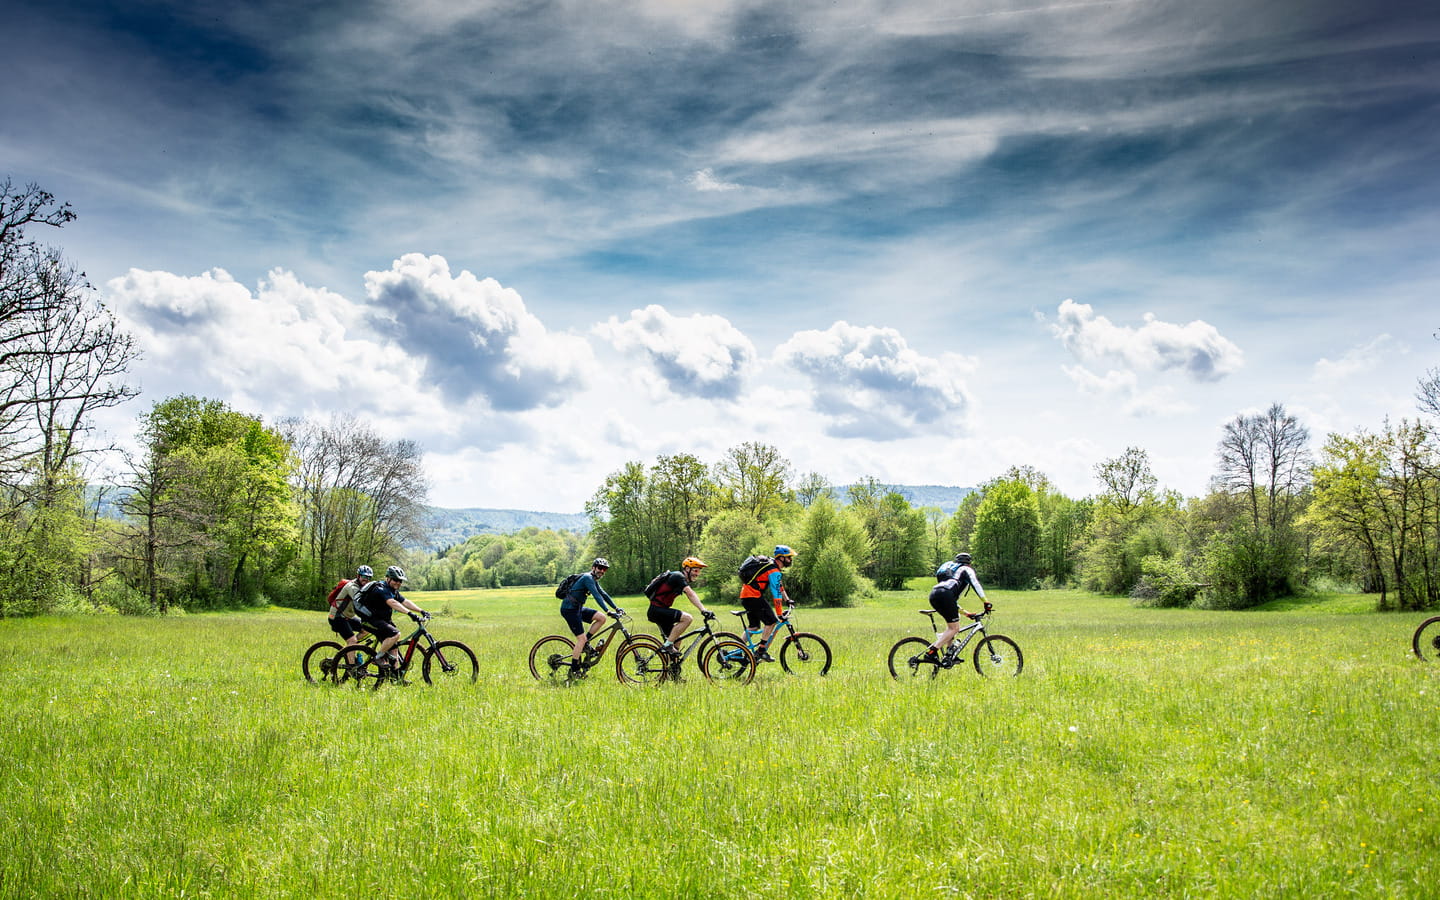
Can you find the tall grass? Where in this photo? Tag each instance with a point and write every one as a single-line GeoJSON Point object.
{"type": "Point", "coordinates": [1289, 752]}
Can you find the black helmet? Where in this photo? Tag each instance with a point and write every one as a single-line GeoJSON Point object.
{"type": "Point", "coordinates": [963, 559]}
{"type": "Point", "coordinates": [396, 573]}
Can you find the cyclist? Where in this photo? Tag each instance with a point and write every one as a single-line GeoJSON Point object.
{"type": "Point", "coordinates": [953, 579]}
{"type": "Point", "coordinates": [577, 615]}
{"type": "Point", "coordinates": [344, 621]}
{"type": "Point", "coordinates": [666, 587]}
{"type": "Point", "coordinates": [377, 602]}
{"type": "Point", "coordinates": [763, 597]}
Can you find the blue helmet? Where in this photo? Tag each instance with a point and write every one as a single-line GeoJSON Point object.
{"type": "Point", "coordinates": [782, 550]}
{"type": "Point", "coordinates": [365, 572]}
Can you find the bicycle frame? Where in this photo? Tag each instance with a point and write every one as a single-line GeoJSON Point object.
{"type": "Point", "coordinates": [599, 645]}
{"type": "Point", "coordinates": [957, 645]}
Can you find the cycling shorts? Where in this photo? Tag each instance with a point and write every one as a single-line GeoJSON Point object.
{"type": "Point", "coordinates": [384, 629]}
{"type": "Point", "coordinates": [345, 627]}
{"type": "Point", "coordinates": [948, 607]}
{"type": "Point", "coordinates": [664, 617]}
{"type": "Point", "coordinates": [759, 611]}
{"type": "Point", "coordinates": [577, 618]}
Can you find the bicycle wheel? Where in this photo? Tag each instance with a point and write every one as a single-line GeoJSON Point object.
{"type": "Point", "coordinates": [640, 663]}
{"type": "Point", "coordinates": [550, 658]}
{"type": "Point", "coordinates": [907, 660]}
{"type": "Point", "coordinates": [1426, 642]}
{"type": "Point", "coordinates": [449, 663]}
{"type": "Point", "coordinates": [728, 662]}
{"type": "Point", "coordinates": [356, 666]}
{"type": "Point", "coordinates": [996, 654]}
{"type": "Point", "coordinates": [317, 664]}
{"type": "Point", "coordinates": [728, 636]}
{"type": "Point", "coordinates": [804, 653]}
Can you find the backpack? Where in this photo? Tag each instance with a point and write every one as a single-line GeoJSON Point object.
{"type": "Point", "coordinates": [566, 585]}
{"type": "Point", "coordinates": [335, 592]}
{"type": "Point", "coordinates": [653, 587]}
{"type": "Point", "coordinates": [753, 567]}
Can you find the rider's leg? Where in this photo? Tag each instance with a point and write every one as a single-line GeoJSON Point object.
{"type": "Point", "coordinates": [680, 625]}
{"type": "Point", "coordinates": [948, 635]}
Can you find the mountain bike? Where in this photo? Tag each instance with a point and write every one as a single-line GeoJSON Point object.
{"type": "Point", "coordinates": [801, 653]}
{"type": "Point", "coordinates": [441, 662]}
{"type": "Point", "coordinates": [995, 654]}
{"type": "Point", "coordinates": [550, 657]}
{"type": "Point", "coordinates": [1426, 640]}
{"type": "Point", "coordinates": [721, 659]}
{"type": "Point", "coordinates": [318, 663]}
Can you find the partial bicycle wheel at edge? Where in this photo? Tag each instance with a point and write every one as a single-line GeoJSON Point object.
{"type": "Point", "coordinates": [550, 658]}
{"type": "Point", "coordinates": [996, 654]}
{"type": "Point", "coordinates": [1426, 642]}
{"type": "Point", "coordinates": [804, 653]}
{"type": "Point", "coordinates": [449, 663]}
{"type": "Point", "coordinates": [903, 652]}
{"type": "Point", "coordinates": [639, 663]}
{"type": "Point", "coordinates": [316, 664]}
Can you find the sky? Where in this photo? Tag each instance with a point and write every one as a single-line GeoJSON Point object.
{"type": "Point", "coordinates": [912, 240]}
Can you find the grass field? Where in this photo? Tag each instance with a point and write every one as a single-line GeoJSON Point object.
{"type": "Point", "coordinates": [1278, 753]}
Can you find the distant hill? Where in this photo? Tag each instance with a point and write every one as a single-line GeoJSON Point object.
{"type": "Point", "coordinates": [447, 527]}
{"type": "Point", "coordinates": [944, 496]}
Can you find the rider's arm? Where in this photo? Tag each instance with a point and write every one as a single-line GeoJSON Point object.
{"type": "Point", "coordinates": [603, 599]}
{"type": "Point", "coordinates": [975, 583]}
{"type": "Point", "coordinates": [695, 599]}
{"type": "Point", "coordinates": [776, 589]}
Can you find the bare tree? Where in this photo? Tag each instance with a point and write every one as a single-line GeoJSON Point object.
{"type": "Point", "coordinates": [62, 357]}
{"type": "Point", "coordinates": [1427, 394]}
{"type": "Point", "coordinates": [1265, 458]}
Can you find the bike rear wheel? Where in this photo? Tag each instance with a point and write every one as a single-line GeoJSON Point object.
{"type": "Point", "coordinates": [728, 662]}
{"type": "Point", "coordinates": [996, 654]}
{"type": "Point", "coordinates": [640, 663]}
{"type": "Point", "coordinates": [909, 663]}
{"type": "Point", "coordinates": [449, 663]}
{"type": "Point", "coordinates": [356, 666]}
{"type": "Point", "coordinates": [317, 664]}
{"type": "Point", "coordinates": [1426, 642]}
{"type": "Point", "coordinates": [550, 658]}
{"type": "Point", "coordinates": [804, 653]}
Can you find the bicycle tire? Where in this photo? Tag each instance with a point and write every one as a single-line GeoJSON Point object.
{"type": "Point", "coordinates": [729, 636]}
{"type": "Point", "coordinates": [903, 652]}
{"type": "Point", "coordinates": [640, 663]}
{"type": "Point", "coordinates": [728, 662]}
{"type": "Point", "coordinates": [804, 653]}
{"type": "Point", "coordinates": [355, 665]}
{"type": "Point", "coordinates": [320, 669]}
{"type": "Point", "coordinates": [1424, 643]}
{"type": "Point", "coordinates": [549, 658]}
{"type": "Point", "coordinates": [996, 654]}
{"type": "Point", "coordinates": [456, 664]}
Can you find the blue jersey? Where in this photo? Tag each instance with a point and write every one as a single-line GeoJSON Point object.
{"type": "Point", "coordinates": [586, 584]}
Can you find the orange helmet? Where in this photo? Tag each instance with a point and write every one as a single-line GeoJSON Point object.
{"type": "Point", "coordinates": [692, 563]}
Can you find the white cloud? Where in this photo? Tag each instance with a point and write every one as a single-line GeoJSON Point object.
{"type": "Point", "coordinates": [476, 337]}
{"type": "Point", "coordinates": [698, 355]}
{"type": "Point", "coordinates": [1197, 349]}
{"type": "Point", "coordinates": [1358, 359]}
{"type": "Point", "coordinates": [871, 384]}
{"type": "Point", "coordinates": [705, 180]}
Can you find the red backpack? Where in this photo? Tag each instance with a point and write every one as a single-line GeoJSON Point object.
{"type": "Point", "coordinates": [330, 599]}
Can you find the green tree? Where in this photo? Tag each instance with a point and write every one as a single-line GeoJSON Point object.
{"type": "Point", "coordinates": [839, 532]}
{"type": "Point", "coordinates": [753, 477]}
{"type": "Point", "coordinates": [1007, 534]}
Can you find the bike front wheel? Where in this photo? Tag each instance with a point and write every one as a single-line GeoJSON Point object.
{"type": "Point", "coordinates": [640, 663]}
{"type": "Point", "coordinates": [728, 662]}
{"type": "Point", "coordinates": [1426, 642]}
{"type": "Point", "coordinates": [908, 660]}
{"type": "Point", "coordinates": [804, 653]}
{"type": "Point", "coordinates": [996, 654]}
{"type": "Point", "coordinates": [449, 663]}
{"type": "Point", "coordinates": [550, 658]}
{"type": "Point", "coordinates": [317, 664]}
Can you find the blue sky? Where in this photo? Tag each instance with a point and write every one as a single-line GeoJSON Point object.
{"type": "Point", "coordinates": [921, 241]}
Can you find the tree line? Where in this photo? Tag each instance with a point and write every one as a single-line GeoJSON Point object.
{"type": "Point", "coordinates": [218, 508]}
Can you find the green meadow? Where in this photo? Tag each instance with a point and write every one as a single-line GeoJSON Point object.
{"type": "Point", "coordinates": [1283, 752]}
